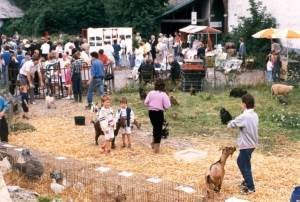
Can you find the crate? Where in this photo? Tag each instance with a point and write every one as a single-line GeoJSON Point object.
{"type": "Point", "coordinates": [192, 74]}
{"type": "Point", "coordinates": [186, 86]}
{"type": "Point", "coordinates": [192, 79]}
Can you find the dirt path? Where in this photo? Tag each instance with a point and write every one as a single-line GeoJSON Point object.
{"type": "Point", "coordinates": [275, 175]}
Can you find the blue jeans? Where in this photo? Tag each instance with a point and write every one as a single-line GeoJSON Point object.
{"type": "Point", "coordinates": [117, 59]}
{"type": "Point", "coordinates": [244, 163]}
{"type": "Point", "coordinates": [76, 85]}
{"type": "Point", "coordinates": [269, 76]}
{"type": "Point", "coordinates": [95, 84]}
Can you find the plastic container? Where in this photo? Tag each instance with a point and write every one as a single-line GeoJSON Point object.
{"type": "Point", "coordinates": [79, 120]}
{"type": "Point", "coordinates": [295, 197]}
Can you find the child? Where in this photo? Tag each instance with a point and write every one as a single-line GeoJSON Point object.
{"type": "Point", "coordinates": [247, 122]}
{"type": "Point", "coordinates": [68, 80]}
{"type": "Point", "coordinates": [269, 69]}
{"type": "Point", "coordinates": [3, 123]}
{"type": "Point", "coordinates": [106, 119]}
{"type": "Point", "coordinates": [124, 120]}
{"type": "Point", "coordinates": [24, 98]}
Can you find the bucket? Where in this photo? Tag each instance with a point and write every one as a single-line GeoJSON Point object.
{"type": "Point", "coordinates": [295, 197]}
{"type": "Point", "coordinates": [79, 120]}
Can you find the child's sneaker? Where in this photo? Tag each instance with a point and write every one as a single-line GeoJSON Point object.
{"type": "Point", "coordinates": [124, 145]}
{"type": "Point", "coordinates": [247, 191]}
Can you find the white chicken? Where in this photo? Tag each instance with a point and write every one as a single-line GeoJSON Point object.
{"type": "Point", "coordinates": [56, 188]}
{"type": "Point", "coordinates": [50, 102]}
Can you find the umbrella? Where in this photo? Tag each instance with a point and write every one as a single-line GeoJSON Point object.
{"type": "Point", "coordinates": [210, 30]}
{"type": "Point", "coordinates": [288, 34]}
{"type": "Point", "coordinates": [269, 33]}
{"type": "Point", "coordinates": [192, 29]}
{"type": "Point", "coordinates": [272, 33]}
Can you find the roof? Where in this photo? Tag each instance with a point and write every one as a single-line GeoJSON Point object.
{"type": "Point", "coordinates": [8, 10]}
{"type": "Point", "coordinates": [192, 29]}
{"type": "Point", "coordinates": [177, 4]}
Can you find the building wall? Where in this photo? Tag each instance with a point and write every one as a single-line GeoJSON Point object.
{"type": "Point", "coordinates": [286, 12]}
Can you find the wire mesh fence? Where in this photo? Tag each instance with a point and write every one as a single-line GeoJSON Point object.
{"type": "Point", "coordinates": [95, 183]}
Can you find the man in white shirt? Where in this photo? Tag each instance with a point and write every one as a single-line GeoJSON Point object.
{"type": "Point", "coordinates": [26, 75]}
{"type": "Point", "coordinates": [109, 52]}
{"type": "Point", "coordinates": [68, 47]}
{"type": "Point", "coordinates": [45, 48]}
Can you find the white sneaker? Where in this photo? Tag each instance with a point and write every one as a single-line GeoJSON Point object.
{"type": "Point", "coordinates": [34, 103]}
{"type": "Point", "coordinates": [68, 98]}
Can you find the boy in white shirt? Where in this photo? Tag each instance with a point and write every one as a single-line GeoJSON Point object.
{"type": "Point", "coordinates": [124, 120]}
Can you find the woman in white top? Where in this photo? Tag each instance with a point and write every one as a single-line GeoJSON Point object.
{"type": "Point", "coordinates": [269, 69]}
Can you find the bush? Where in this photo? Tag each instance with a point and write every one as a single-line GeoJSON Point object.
{"type": "Point", "coordinates": [286, 119]}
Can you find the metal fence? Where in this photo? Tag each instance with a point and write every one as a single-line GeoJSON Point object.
{"type": "Point", "coordinates": [54, 79]}
{"type": "Point", "coordinates": [94, 183]}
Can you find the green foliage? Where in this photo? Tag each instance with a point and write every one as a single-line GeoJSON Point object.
{"type": "Point", "coordinates": [138, 14]}
{"type": "Point", "coordinates": [286, 119]}
{"type": "Point", "coordinates": [259, 19]}
{"type": "Point", "coordinates": [68, 16]}
{"type": "Point", "coordinates": [21, 127]}
{"type": "Point", "coordinates": [44, 199]}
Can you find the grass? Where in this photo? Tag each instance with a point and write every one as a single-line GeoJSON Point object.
{"type": "Point", "coordinates": [200, 114]}
{"type": "Point", "coordinates": [19, 126]}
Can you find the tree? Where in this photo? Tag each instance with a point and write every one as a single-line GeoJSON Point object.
{"type": "Point", "coordinates": [68, 16]}
{"type": "Point", "coordinates": [138, 14]}
{"type": "Point", "coordinates": [259, 19]}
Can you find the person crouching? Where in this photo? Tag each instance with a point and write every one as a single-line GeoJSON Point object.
{"type": "Point", "coordinates": [124, 120]}
{"type": "Point", "coordinates": [106, 119]}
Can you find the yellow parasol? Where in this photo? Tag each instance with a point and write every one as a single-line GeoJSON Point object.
{"type": "Point", "coordinates": [269, 33]}
{"type": "Point", "coordinates": [272, 33]}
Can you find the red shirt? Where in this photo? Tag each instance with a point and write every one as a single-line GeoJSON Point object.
{"type": "Point", "coordinates": [104, 59]}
